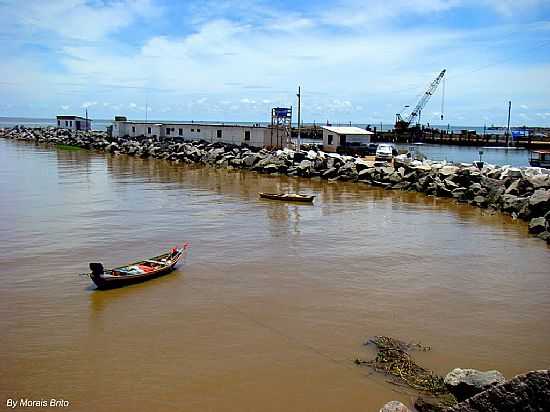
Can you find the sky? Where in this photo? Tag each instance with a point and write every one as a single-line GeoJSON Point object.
{"type": "Point", "coordinates": [359, 61]}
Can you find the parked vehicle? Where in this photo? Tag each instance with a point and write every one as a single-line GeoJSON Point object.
{"type": "Point", "coordinates": [385, 151]}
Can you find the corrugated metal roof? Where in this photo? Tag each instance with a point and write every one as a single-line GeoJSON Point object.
{"type": "Point", "coordinates": [346, 130]}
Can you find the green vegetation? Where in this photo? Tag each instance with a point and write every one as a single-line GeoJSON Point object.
{"type": "Point", "coordinates": [67, 147]}
{"type": "Point", "coordinates": [393, 358]}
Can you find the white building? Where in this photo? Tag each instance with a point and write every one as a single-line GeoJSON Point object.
{"type": "Point", "coordinates": [251, 135]}
{"type": "Point", "coordinates": [344, 136]}
{"type": "Point", "coordinates": [74, 123]}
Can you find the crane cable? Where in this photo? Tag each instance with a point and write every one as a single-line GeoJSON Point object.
{"type": "Point", "coordinates": [443, 97]}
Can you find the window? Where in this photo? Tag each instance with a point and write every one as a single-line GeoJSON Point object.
{"type": "Point", "coordinates": [59, 122]}
{"type": "Point", "coordinates": [71, 123]}
{"type": "Point", "coordinates": [198, 130]}
{"type": "Point", "coordinates": [133, 129]}
{"type": "Point", "coordinates": [167, 131]}
{"type": "Point", "coordinates": [330, 137]}
{"type": "Point", "coordinates": [219, 134]}
{"type": "Point", "coordinates": [66, 122]}
{"type": "Point", "coordinates": [247, 135]}
{"type": "Point", "coordinates": [181, 131]}
{"type": "Point", "coordinates": [342, 140]}
{"type": "Point", "coordinates": [148, 130]}
{"type": "Point", "coordinates": [192, 130]}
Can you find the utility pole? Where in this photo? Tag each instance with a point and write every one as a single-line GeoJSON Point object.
{"type": "Point", "coordinates": [86, 119]}
{"type": "Point", "coordinates": [299, 107]}
{"type": "Point", "coordinates": [508, 127]}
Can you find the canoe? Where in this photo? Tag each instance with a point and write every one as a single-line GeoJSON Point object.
{"type": "Point", "coordinates": [139, 271]}
{"type": "Point", "coordinates": [288, 197]}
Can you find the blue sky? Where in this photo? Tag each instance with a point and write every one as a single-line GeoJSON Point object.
{"type": "Point", "coordinates": [356, 60]}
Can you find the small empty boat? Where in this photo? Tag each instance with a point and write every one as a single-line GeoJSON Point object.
{"type": "Point", "coordinates": [138, 271]}
{"type": "Point", "coordinates": [287, 197]}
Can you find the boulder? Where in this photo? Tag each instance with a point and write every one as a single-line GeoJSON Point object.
{"type": "Point", "coordinates": [511, 172]}
{"type": "Point", "coordinates": [447, 171]}
{"type": "Point", "coordinates": [539, 181]}
{"type": "Point", "coordinates": [511, 203]}
{"type": "Point", "coordinates": [539, 202]}
{"type": "Point", "coordinates": [311, 155]}
{"type": "Point", "coordinates": [465, 383]}
{"type": "Point", "coordinates": [524, 393]}
{"type": "Point", "coordinates": [537, 225]}
{"type": "Point", "coordinates": [250, 160]}
{"type": "Point", "coordinates": [270, 168]}
{"type": "Point", "coordinates": [394, 406]}
{"type": "Point", "coordinates": [330, 173]}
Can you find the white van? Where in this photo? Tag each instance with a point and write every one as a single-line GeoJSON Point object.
{"type": "Point", "coordinates": [384, 151]}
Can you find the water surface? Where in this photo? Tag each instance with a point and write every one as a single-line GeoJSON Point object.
{"type": "Point", "coordinates": [275, 301]}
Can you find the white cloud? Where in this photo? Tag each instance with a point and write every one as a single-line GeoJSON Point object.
{"type": "Point", "coordinates": [77, 19]}
{"type": "Point", "coordinates": [65, 107]}
{"type": "Point", "coordinates": [510, 8]}
{"type": "Point", "coordinates": [88, 104]}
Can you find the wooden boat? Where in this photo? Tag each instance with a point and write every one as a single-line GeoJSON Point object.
{"type": "Point", "coordinates": [287, 197]}
{"type": "Point", "coordinates": [138, 271]}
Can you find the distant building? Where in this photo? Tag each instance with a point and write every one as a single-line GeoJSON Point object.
{"type": "Point", "coordinates": [251, 135]}
{"type": "Point", "coordinates": [345, 136]}
{"type": "Point", "coordinates": [74, 123]}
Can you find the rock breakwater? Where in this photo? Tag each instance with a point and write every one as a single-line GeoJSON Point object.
{"type": "Point", "coordinates": [523, 193]}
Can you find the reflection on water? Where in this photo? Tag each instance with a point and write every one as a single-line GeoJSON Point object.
{"type": "Point", "coordinates": [276, 298]}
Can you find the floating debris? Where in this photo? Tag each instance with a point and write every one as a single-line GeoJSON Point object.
{"type": "Point", "coordinates": [393, 358]}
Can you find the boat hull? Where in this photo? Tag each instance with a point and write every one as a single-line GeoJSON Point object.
{"type": "Point", "coordinates": [105, 283]}
{"type": "Point", "coordinates": [287, 197]}
{"type": "Point", "coordinates": [137, 272]}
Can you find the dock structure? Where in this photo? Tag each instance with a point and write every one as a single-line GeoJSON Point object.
{"type": "Point", "coordinates": [254, 135]}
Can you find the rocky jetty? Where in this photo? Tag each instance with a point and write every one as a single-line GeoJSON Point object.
{"type": "Point", "coordinates": [529, 392]}
{"type": "Point", "coordinates": [524, 393]}
{"type": "Point", "coordinates": [521, 192]}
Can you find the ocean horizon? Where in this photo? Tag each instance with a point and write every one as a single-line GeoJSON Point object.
{"type": "Point", "coordinates": [102, 124]}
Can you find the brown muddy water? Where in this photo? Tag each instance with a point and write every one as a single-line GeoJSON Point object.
{"type": "Point", "coordinates": [275, 301]}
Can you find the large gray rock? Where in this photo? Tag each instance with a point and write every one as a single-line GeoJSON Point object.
{"type": "Point", "coordinates": [524, 393]}
{"type": "Point", "coordinates": [537, 225]}
{"type": "Point", "coordinates": [394, 406]}
{"type": "Point", "coordinates": [330, 173]}
{"type": "Point", "coordinates": [464, 383]}
{"type": "Point", "coordinates": [539, 181]}
{"type": "Point", "coordinates": [539, 203]}
{"type": "Point", "coordinates": [447, 171]}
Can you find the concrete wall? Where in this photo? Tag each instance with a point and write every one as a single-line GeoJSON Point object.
{"type": "Point", "coordinates": [327, 147]}
{"type": "Point", "coordinates": [350, 138]}
{"type": "Point", "coordinates": [72, 124]}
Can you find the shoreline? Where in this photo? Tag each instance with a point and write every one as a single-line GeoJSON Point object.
{"type": "Point", "coordinates": [523, 193]}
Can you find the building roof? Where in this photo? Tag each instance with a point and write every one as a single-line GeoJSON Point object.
{"type": "Point", "coordinates": [176, 124]}
{"type": "Point", "coordinates": [72, 118]}
{"type": "Point", "coordinates": [346, 130]}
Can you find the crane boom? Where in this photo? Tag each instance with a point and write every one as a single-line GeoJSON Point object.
{"type": "Point", "coordinates": [421, 103]}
